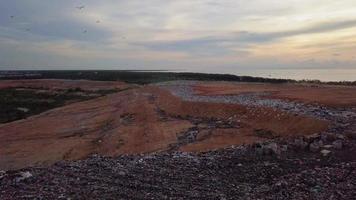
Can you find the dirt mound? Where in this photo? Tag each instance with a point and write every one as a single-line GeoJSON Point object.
{"type": "Point", "coordinates": [191, 145]}
{"type": "Point", "coordinates": [142, 120]}
{"type": "Point", "coordinates": [121, 123]}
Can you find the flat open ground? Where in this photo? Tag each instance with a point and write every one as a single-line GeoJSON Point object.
{"type": "Point", "coordinates": [174, 116]}
{"type": "Point", "coordinates": [307, 93]}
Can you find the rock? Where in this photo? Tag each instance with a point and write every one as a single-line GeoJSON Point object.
{"type": "Point", "coordinates": [351, 135]}
{"type": "Point", "coordinates": [337, 144]}
{"type": "Point", "coordinates": [281, 183]}
{"type": "Point", "coordinates": [24, 176]}
{"type": "Point", "coordinates": [284, 148]}
{"type": "Point", "coordinates": [300, 144]}
{"type": "Point", "coordinates": [25, 110]}
{"type": "Point", "coordinates": [316, 189]}
{"type": "Point", "coordinates": [315, 146]}
{"type": "Point", "coordinates": [62, 196]}
{"type": "Point", "coordinates": [271, 148]}
{"type": "Point", "coordinates": [2, 174]}
{"type": "Point", "coordinates": [340, 136]}
{"type": "Point", "coordinates": [311, 138]}
{"type": "Point", "coordinates": [325, 152]}
{"type": "Point", "coordinates": [122, 173]}
{"type": "Point", "coordinates": [328, 146]}
{"type": "Point", "coordinates": [328, 137]}
{"type": "Point", "coordinates": [259, 151]}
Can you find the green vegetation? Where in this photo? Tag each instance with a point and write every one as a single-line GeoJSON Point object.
{"type": "Point", "coordinates": [138, 77]}
{"type": "Point", "coordinates": [146, 77]}
{"type": "Point", "coordinates": [20, 103]}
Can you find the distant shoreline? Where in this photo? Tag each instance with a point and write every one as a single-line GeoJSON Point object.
{"type": "Point", "coordinates": [148, 76]}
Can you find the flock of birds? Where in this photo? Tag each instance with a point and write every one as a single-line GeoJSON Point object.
{"type": "Point", "coordinates": [77, 7]}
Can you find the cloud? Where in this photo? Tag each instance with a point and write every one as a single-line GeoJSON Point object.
{"type": "Point", "coordinates": [199, 46]}
{"type": "Point", "coordinates": [226, 33]}
{"type": "Point", "coordinates": [323, 27]}
{"type": "Point", "coordinates": [315, 28]}
{"type": "Point", "coordinates": [242, 40]}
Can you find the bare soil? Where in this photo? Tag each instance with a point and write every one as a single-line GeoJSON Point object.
{"type": "Point", "coordinates": [184, 140]}
{"type": "Point", "coordinates": [327, 95]}
{"type": "Point", "coordinates": [141, 120]}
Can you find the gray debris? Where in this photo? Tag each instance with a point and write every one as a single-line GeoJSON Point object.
{"type": "Point", "coordinates": [232, 173]}
{"type": "Point", "coordinates": [184, 90]}
{"type": "Point", "coordinates": [299, 143]}
{"type": "Point", "coordinates": [271, 148]}
{"type": "Point", "coordinates": [23, 176]}
{"type": "Point", "coordinates": [325, 152]}
{"type": "Point", "coordinates": [25, 110]}
{"type": "Point", "coordinates": [328, 146]}
{"type": "Point", "coordinates": [315, 146]}
{"type": "Point", "coordinates": [2, 174]}
{"type": "Point", "coordinates": [337, 144]}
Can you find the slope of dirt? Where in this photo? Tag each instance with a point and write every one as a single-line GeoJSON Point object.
{"type": "Point", "coordinates": [20, 99]}
{"type": "Point", "coordinates": [147, 119]}
{"type": "Point", "coordinates": [327, 95]}
{"type": "Point", "coordinates": [264, 148]}
{"type": "Point", "coordinates": [120, 123]}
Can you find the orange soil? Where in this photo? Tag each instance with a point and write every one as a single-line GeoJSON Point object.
{"type": "Point", "coordinates": [250, 119]}
{"type": "Point", "coordinates": [129, 122]}
{"type": "Point", "coordinates": [54, 84]}
{"type": "Point", "coordinates": [321, 94]}
{"type": "Point", "coordinates": [80, 129]}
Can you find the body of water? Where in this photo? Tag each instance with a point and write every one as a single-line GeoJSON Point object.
{"type": "Point", "coordinates": [296, 74]}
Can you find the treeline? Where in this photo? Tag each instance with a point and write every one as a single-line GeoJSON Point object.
{"type": "Point", "coordinates": [347, 83]}
{"type": "Point", "coordinates": [145, 77]}
{"type": "Point", "coordinates": [138, 77]}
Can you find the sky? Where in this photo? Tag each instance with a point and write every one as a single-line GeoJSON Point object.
{"type": "Point", "coordinates": [195, 35]}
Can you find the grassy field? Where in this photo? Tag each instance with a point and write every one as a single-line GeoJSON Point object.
{"type": "Point", "coordinates": [20, 103]}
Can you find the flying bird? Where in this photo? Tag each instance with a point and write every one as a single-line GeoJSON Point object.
{"type": "Point", "coordinates": [12, 16]}
{"type": "Point", "coordinates": [28, 29]}
{"type": "Point", "coordinates": [80, 7]}
{"type": "Point", "coordinates": [98, 21]}
{"type": "Point", "coordinates": [85, 31]}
